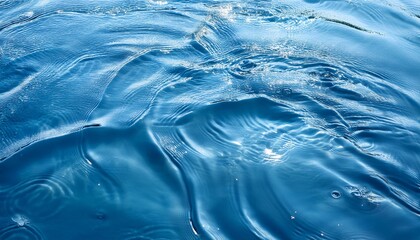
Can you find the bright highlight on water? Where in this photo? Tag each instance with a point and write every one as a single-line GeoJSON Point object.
{"type": "Point", "coordinates": [132, 119]}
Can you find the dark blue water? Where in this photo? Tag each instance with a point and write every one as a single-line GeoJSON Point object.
{"type": "Point", "coordinates": [209, 119]}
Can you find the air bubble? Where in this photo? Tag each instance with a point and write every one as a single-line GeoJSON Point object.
{"type": "Point", "coordinates": [335, 194]}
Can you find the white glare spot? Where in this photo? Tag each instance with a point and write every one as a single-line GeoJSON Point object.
{"type": "Point", "coordinates": [158, 2]}
{"type": "Point", "coordinates": [268, 151]}
{"type": "Point", "coordinates": [226, 12]}
{"type": "Point", "coordinates": [271, 155]}
{"type": "Point", "coordinates": [28, 14]}
{"type": "Point", "coordinates": [20, 220]}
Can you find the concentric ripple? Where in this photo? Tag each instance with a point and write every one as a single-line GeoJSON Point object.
{"type": "Point", "coordinates": [43, 197]}
{"type": "Point", "coordinates": [257, 130]}
{"type": "Point", "coordinates": [20, 232]}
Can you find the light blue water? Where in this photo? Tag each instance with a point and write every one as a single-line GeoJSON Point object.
{"type": "Point", "coordinates": [209, 119]}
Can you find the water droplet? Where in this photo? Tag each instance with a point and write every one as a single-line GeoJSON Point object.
{"type": "Point", "coordinates": [335, 194]}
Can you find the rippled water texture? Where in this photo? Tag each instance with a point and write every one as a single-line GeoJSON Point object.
{"type": "Point", "coordinates": [168, 119]}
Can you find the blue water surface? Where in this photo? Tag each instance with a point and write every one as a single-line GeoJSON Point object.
{"type": "Point", "coordinates": [162, 119]}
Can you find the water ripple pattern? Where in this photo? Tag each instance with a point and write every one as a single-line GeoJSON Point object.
{"type": "Point", "coordinates": [159, 119]}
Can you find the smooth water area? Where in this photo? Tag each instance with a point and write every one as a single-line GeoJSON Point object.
{"type": "Point", "coordinates": [131, 119]}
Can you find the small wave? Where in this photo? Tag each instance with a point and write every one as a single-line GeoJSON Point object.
{"type": "Point", "coordinates": [20, 232]}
